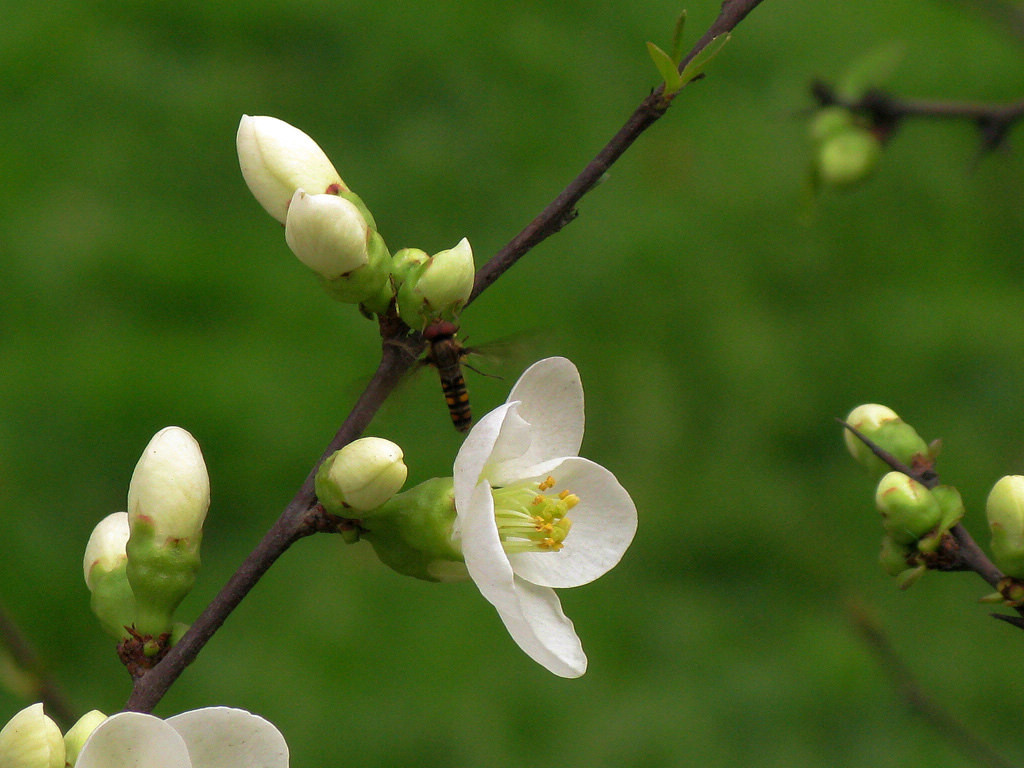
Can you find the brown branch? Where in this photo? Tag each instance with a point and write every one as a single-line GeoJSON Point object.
{"type": "Point", "coordinates": [562, 209]}
{"type": "Point", "coordinates": [399, 353]}
{"type": "Point", "coordinates": [887, 112]}
{"type": "Point", "coordinates": [42, 687]}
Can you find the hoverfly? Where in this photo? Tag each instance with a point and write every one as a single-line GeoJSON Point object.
{"type": "Point", "coordinates": [445, 354]}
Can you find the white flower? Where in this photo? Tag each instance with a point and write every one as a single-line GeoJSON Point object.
{"type": "Point", "coordinates": [515, 535]}
{"type": "Point", "coordinates": [214, 737]}
{"type": "Point", "coordinates": [277, 158]}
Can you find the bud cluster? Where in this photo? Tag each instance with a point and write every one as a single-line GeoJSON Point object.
{"type": "Point", "coordinates": [140, 564]}
{"type": "Point", "coordinates": [30, 739]}
{"type": "Point", "coordinates": [331, 231]}
{"type": "Point", "coordinates": [845, 150]}
{"type": "Point", "coordinates": [917, 516]}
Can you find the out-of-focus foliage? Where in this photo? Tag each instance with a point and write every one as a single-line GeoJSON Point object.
{"type": "Point", "coordinates": [717, 337]}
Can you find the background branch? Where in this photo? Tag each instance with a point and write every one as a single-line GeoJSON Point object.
{"type": "Point", "coordinates": [31, 673]}
{"type": "Point", "coordinates": [916, 699]}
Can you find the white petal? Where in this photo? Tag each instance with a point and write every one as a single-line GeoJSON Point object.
{"type": "Point", "coordinates": [134, 740]}
{"type": "Point", "coordinates": [474, 454]}
{"type": "Point", "coordinates": [221, 737]}
{"type": "Point", "coordinates": [603, 525]}
{"type": "Point", "coordinates": [550, 397]}
{"type": "Point", "coordinates": [531, 614]}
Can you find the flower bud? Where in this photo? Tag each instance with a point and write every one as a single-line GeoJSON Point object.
{"type": "Point", "coordinates": [909, 510]}
{"type": "Point", "coordinates": [412, 533]}
{"type": "Point", "coordinates": [361, 476]}
{"type": "Point", "coordinates": [168, 498]}
{"type": "Point", "coordinates": [893, 556]}
{"type": "Point", "coordinates": [31, 740]}
{"type": "Point", "coordinates": [105, 567]}
{"type": "Point", "coordinates": [848, 157]}
{"type": "Point", "coordinates": [327, 233]}
{"type": "Point", "coordinates": [80, 732]}
{"type": "Point", "coordinates": [438, 288]}
{"type": "Point", "coordinates": [829, 121]}
{"type": "Point", "coordinates": [277, 158]}
{"type": "Point", "coordinates": [1005, 511]}
{"type": "Point", "coordinates": [889, 432]}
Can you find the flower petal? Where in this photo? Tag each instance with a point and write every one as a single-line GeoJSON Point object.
{"type": "Point", "coordinates": [221, 737]}
{"type": "Point", "coordinates": [550, 397]}
{"type": "Point", "coordinates": [474, 454]}
{"type": "Point", "coordinates": [134, 740]}
{"type": "Point", "coordinates": [532, 614]}
{"type": "Point", "coordinates": [603, 525]}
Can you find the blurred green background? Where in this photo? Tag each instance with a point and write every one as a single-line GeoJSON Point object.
{"type": "Point", "coordinates": [716, 333]}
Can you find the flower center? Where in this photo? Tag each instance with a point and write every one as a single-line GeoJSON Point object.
{"type": "Point", "coordinates": [531, 520]}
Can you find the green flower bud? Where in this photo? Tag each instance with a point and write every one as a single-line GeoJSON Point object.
{"type": "Point", "coordinates": [412, 533]}
{"type": "Point", "coordinates": [168, 498]}
{"type": "Point", "coordinates": [105, 565]}
{"type": "Point", "coordinates": [438, 288]}
{"type": "Point", "coordinates": [75, 738]}
{"type": "Point", "coordinates": [327, 233]}
{"type": "Point", "coordinates": [829, 121]}
{"type": "Point", "coordinates": [31, 740]}
{"type": "Point", "coordinates": [405, 261]}
{"type": "Point", "coordinates": [848, 157]}
{"type": "Point", "coordinates": [361, 476]}
{"type": "Point", "coordinates": [277, 158]}
{"type": "Point", "coordinates": [893, 556]}
{"type": "Point", "coordinates": [909, 510]}
{"type": "Point", "coordinates": [1005, 511]}
{"type": "Point", "coordinates": [888, 431]}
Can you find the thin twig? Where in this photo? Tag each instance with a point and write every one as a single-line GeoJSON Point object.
{"type": "Point", "coordinates": [908, 689]}
{"type": "Point", "coordinates": [43, 687]}
{"type": "Point", "coordinates": [399, 354]}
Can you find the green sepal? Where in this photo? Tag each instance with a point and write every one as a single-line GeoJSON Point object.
{"type": "Point", "coordinates": [357, 201]}
{"type": "Point", "coordinates": [161, 574]}
{"type": "Point", "coordinates": [412, 533]}
{"type": "Point", "coordinates": [113, 601]}
{"type": "Point", "coordinates": [992, 597]}
{"type": "Point", "coordinates": [909, 577]}
{"type": "Point", "coordinates": [893, 556]}
{"type": "Point", "coordinates": [365, 283]}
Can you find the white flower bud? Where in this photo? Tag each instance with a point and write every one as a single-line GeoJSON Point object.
{"type": "Point", "coordinates": [105, 551]}
{"type": "Point", "coordinates": [361, 476]}
{"type": "Point", "coordinates": [327, 233]}
{"type": "Point", "coordinates": [170, 489]}
{"type": "Point", "coordinates": [80, 732]}
{"type": "Point", "coordinates": [31, 740]}
{"type": "Point", "coordinates": [277, 158]}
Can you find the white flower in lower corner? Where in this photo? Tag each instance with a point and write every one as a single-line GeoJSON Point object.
{"type": "Point", "coordinates": [532, 515]}
{"type": "Point", "coordinates": [214, 737]}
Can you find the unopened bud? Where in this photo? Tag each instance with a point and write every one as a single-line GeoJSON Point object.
{"type": "Point", "coordinates": [909, 510]}
{"type": "Point", "coordinates": [277, 158]}
{"type": "Point", "coordinates": [1005, 511]}
{"type": "Point", "coordinates": [327, 233]}
{"type": "Point", "coordinates": [437, 288]}
{"type": "Point", "coordinates": [80, 732]}
{"type": "Point", "coordinates": [361, 476]}
{"type": "Point", "coordinates": [168, 498]}
{"type": "Point", "coordinates": [889, 432]}
{"type": "Point", "coordinates": [105, 565]}
{"type": "Point", "coordinates": [848, 157]}
{"type": "Point", "coordinates": [31, 740]}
